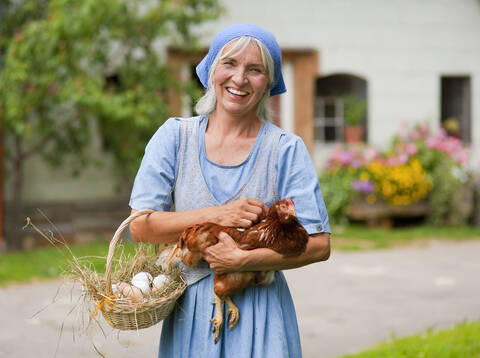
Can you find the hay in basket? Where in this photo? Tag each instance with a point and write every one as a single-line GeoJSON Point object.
{"type": "Point", "coordinates": [122, 313]}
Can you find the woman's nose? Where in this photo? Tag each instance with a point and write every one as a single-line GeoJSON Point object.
{"type": "Point", "coordinates": [239, 77]}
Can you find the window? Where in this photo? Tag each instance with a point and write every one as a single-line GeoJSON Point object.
{"type": "Point", "coordinates": [329, 119]}
{"type": "Point", "coordinates": [333, 93]}
{"type": "Point", "coordinates": [455, 114]}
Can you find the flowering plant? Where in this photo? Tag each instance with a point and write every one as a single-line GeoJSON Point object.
{"type": "Point", "coordinates": [416, 166]}
{"type": "Point", "coordinates": [431, 147]}
{"type": "Point", "coordinates": [400, 183]}
{"type": "Point", "coordinates": [396, 177]}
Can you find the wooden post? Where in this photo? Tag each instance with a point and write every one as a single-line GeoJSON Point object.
{"type": "Point", "coordinates": [176, 59]}
{"type": "Point", "coordinates": [305, 67]}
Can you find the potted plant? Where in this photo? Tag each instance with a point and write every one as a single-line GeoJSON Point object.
{"type": "Point", "coordinates": [354, 110]}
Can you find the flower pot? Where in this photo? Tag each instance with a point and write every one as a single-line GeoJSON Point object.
{"type": "Point", "coordinates": [381, 213]}
{"type": "Point", "coordinates": [354, 134]}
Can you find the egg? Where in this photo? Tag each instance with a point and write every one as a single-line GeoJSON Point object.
{"type": "Point", "coordinates": [115, 290]}
{"type": "Point", "coordinates": [142, 276]}
{"type": "Point", "coordinates": [131, 292]}
{"type": "Point", "coordinates": [142, 285]}
{"type": "Point", "coordinates": [121, 287]}
{"type": "Point", "coordinates": [160, 281]}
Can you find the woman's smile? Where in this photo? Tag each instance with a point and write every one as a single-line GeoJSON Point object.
{"type": "Point", "coordinates": [237, 92]}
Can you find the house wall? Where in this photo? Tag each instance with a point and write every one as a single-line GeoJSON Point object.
{"type": "Point", "coordinates": [42, 183]}
{"type": "Point", "coordinates": [401, 48]}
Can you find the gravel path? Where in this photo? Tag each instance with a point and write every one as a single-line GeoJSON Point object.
{"type": "Point", "coordinates": [344, 305]}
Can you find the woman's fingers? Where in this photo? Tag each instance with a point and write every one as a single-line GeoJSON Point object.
{"type": "Point", "coordinates": [241, 213]}
{"type": "Point", "coordinates": [225, 255]}
{"type": "Point", "coordinates": [254, 209]}
{"type": "Point", "coordinates": [260, 208]}
{"type": "Point", "coordinates": [257, 210]}
{"type": "Point", "coordinates": [225, 238]}
{"type": "Point", "coordinates": [250, 215]}
{"type": "Point", "coordinates": [244, 223]}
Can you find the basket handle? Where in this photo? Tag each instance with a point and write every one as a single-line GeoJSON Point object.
{"type": "Point", "coordinates": [113, 244]}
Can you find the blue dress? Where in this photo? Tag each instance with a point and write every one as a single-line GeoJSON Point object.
{"type": "Point", "coordinates": [175, 169]}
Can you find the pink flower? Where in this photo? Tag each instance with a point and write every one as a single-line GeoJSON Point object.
{"type": "Point", "coordinates": [402, 159]}
{"type": "Point", "coordinates": [411, 149]}
{"type": "Point", "coordinates": [424, 129]}
{"type": "Point", "coordinates": [391, 161]}
{"type": "Point", "coordinates": [415, 135]}
{"type": "Point", "coordinates": [370, 154]}
{"type": "Point", "coordinates": [431, 143]}
{"type": "Point", "coordinates": [345, 158]}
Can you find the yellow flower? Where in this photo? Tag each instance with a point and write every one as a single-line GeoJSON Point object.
{"type": "Point", "coordinates": [364, 176]}
{"type": "Point", "coordinates": [401, 184]}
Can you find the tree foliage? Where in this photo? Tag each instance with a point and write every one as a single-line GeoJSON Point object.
{"type": "Point", "coordinates": [68, 62]}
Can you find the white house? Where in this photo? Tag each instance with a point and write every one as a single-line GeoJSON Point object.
{"type": "Point", "coordinates": [412, 61]}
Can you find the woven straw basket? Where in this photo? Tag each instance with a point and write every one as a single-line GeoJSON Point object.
{"type": "Point", "coordinates": [125, 315]}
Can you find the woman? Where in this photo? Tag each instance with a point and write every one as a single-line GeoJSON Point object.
{"type": "Point", "coordinates": [227, 166]}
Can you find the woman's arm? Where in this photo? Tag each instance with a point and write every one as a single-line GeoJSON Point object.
{"type": "Point", "coordinates": [165, 227]}
{"type": "Point", "coordinates": [226, 256]}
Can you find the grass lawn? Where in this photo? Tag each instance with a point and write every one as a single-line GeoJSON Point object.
{"type": "Point", "coordinates": [358, 237]}
{"type": "Point", "coordinates": [47, 262]}
{"type": "Point", "coordinates": [462, 341]}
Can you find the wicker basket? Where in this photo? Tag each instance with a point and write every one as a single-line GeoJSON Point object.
{"type": "Point", "coordinates": [125, 315]}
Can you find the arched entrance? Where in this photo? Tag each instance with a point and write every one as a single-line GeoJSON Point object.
{"type": "Point", "coordinates": [340, 101]}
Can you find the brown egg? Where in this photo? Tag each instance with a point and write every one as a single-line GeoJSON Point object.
{"type": "Point", "coordinates": [131, 292]}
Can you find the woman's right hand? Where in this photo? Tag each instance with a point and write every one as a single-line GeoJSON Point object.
{"type": "Point", "coordinates": [240, 213]}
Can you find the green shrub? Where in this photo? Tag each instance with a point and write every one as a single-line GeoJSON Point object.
{"type": "Point", "coordinates": [337, 193]}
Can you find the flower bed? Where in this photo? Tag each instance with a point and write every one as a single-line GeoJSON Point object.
{"type": "Point", "coordinates": [421, 173]}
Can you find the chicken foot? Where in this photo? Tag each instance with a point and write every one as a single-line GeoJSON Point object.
{"type": "Point", "coordinates": [218, 319]}
{"type": "Point", "coordinates": [233, 312]}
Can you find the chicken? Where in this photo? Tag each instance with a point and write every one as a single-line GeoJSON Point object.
{"type": "Point", "coordinates": [280, 231]}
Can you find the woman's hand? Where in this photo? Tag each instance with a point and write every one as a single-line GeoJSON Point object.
{"type": "Point", "coordinates": [224, 256]}
{"type": "Point", "coordinates": [240, 213]}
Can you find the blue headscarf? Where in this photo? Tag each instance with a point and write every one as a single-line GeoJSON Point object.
{"type": "Point", "coordinates": [234, 31]}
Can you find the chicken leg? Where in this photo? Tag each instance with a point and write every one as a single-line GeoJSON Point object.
{"type": "Point", "coordinates": [218, 319]}
{"type": "Point", "coordinates": [233, 312]}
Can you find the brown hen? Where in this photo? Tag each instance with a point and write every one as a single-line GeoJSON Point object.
{"type": "Point", "coordinates": [280, 231]}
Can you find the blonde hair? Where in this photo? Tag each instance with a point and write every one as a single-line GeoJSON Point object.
{"type": "Point", "coordinates": [207, 104]}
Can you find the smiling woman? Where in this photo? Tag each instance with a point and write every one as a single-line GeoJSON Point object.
{"type": "Point", "coordinates": [226, 167]}
{"type": "Point", "coordinates": [264, 67]}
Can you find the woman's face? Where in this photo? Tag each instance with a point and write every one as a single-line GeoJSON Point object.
{"type": "Point", "coordinates": [240, 81]}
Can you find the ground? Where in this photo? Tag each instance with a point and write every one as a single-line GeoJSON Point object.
{"type": "Point", "coordinates": [344, 305]}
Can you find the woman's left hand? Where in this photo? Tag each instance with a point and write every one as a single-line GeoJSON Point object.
{"type": "Point", "coordinates": [224, 256]}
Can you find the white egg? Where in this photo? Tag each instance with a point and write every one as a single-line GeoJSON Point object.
{"type": "Point", "coordinates": [143, 276]}
{"type": "Point", "coordinates": [115, 290]}
{"type": "Point", "coordinates": [160, 281]}
{"type": "Point", "coordinates": [142, 285]}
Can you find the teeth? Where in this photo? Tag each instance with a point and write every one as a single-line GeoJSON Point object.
{"type": "Point", "coordinates": [234, 91]}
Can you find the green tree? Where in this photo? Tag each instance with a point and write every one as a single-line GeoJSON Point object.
{"type": "Point", "coordinates": [68, 62]}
